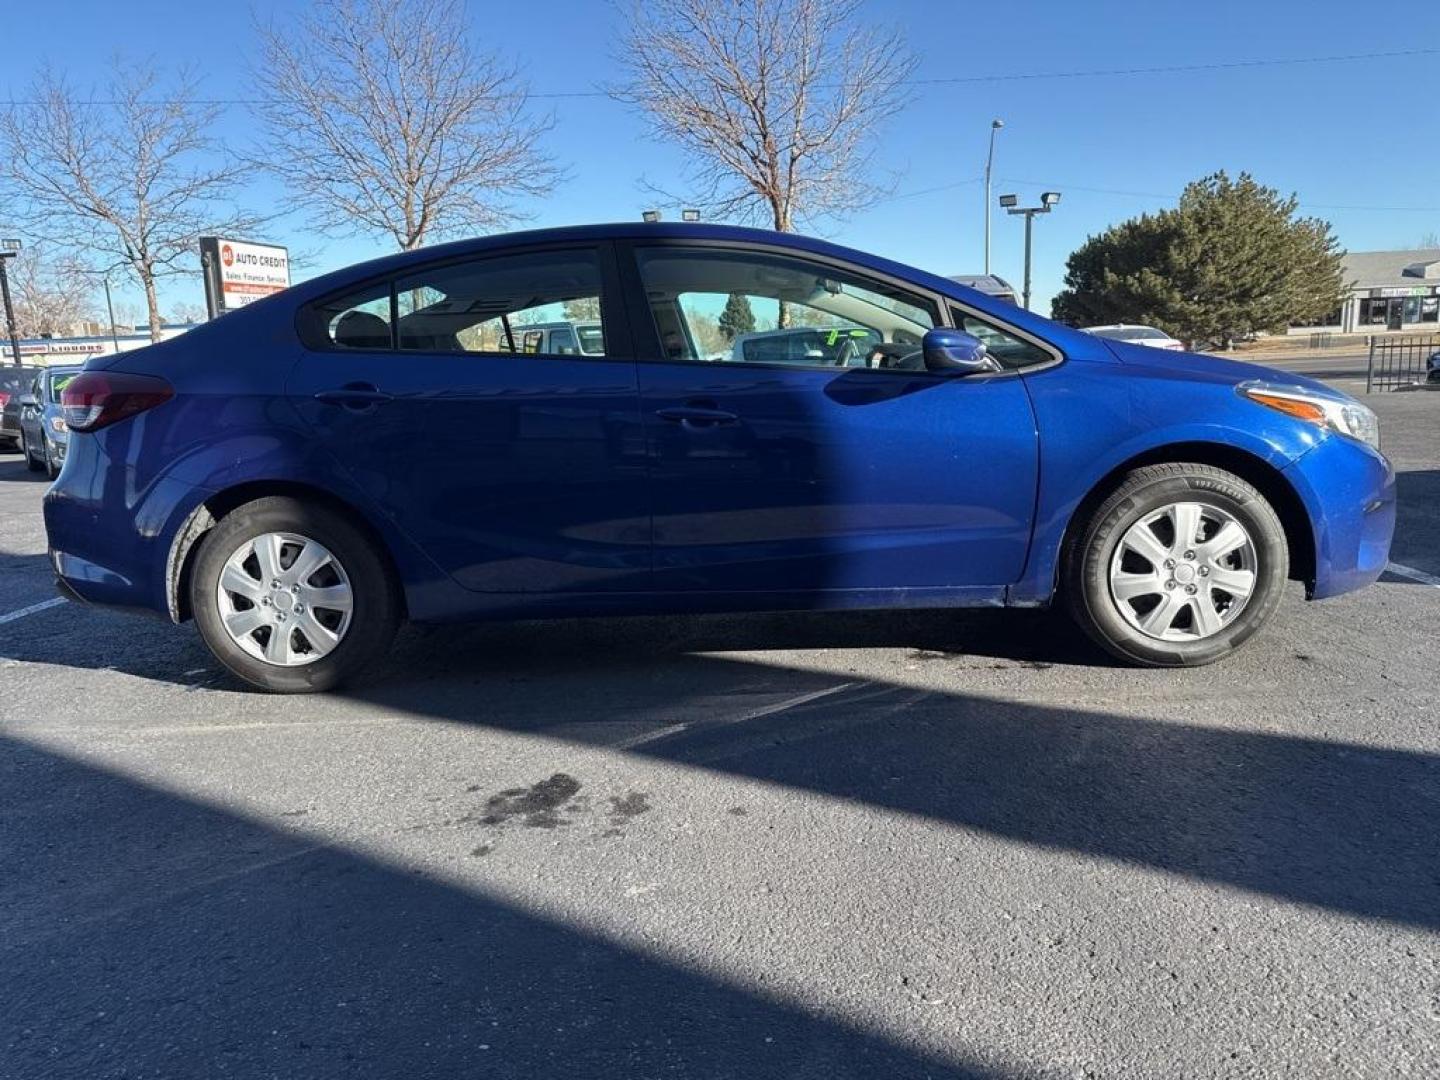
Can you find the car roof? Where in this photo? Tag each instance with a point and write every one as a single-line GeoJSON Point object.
{"type": "Point", "coordinates": [629, 230]}
{"type": "Point", "coordinates": [281, 306]}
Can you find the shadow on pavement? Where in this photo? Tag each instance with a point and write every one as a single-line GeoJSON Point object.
{"type": "Point", "coordinates": [1338, 826]}
{"type": "Point", "coordinates": [1417, 521]}
{"type": "Point", "coordinates": [12, 467]}
{"type": "Point", "coordinates": [182, 941]}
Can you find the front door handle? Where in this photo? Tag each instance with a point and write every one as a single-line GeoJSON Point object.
{"type": "Point", "coordinates": [694, 416]}
{"type": "Point", "coordinates": [357, 396]}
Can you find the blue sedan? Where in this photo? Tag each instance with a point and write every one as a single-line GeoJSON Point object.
{"type": "Point", "coordinates": [387, 442]}
{"type": "Point", "coordinates": [43, 435]}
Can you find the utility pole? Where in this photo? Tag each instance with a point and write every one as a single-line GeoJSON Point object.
{"type": "Point", "coordinates": [1012, 206]}
{"type": "Point", "coordinates": [995, 125]}
{"type": "Point", "coordinates": [8, 250]}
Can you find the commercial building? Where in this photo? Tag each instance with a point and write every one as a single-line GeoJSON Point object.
{"type": "Point", "coordinates": [1388, 291]}
{"type": "Point", "coordinates": [75, 350]}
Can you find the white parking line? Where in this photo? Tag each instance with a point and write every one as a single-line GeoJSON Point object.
{"type": "Point", "coordinates": [1413, 574]}
{"type": "Point", "coordinates": [754, 714]}
{"type": "Point", "coordinates": [33, 609]}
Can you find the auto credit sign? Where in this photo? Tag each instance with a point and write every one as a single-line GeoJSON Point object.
{"type": "Point", "coordinates": [238, 272]}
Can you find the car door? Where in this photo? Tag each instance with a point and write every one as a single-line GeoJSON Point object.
{"type": "Point", "coordinates": [31, 407]}
{"type": "Point", "coordinates": [516, 472]}
{"type": "Point", "coordinates": [820, 460]}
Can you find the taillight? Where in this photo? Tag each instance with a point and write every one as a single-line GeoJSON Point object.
{"type": "Point", "coordinates": [4, 399]}
{"type": "Point", "coordinates": [96, 399]}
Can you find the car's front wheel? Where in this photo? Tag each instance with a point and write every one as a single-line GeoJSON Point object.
{"type": "Point", "coordinates": [1178, 566]}
{"type": "Point", "coordinates": [293, 597]}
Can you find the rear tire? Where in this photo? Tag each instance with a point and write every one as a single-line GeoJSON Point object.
{"type": "Point", "coordinates": [359, 623]}
{"type": "Point", "coordinates": [30, 462]}
{"type": "Point", "coordinates": [1155, 597]}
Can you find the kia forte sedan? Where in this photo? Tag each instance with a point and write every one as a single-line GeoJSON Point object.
{"type": "Point", "coordinates": [378, 445]}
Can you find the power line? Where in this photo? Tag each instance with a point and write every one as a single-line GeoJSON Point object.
{"type": "Point", "coordinates": [1174, 68]}
{"type": "Point", "coordinates": [999, 77]}
{"type": "Point", "coordinates": [1062, 186]}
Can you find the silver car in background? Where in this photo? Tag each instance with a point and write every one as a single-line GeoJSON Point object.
{"type": "Point", "coordinates": [1137, 335]}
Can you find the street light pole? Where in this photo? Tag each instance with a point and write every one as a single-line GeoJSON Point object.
{"type": "Point", "coordinates": [8, 250]}
{"type": "Point", "coordinates": [1012, 206]}
{"type": "Point", "coordinates": [995, 125]}
{"type": "Point", "coordinates": [1029, 231]}
{"type": "Point", "coordinates": [110, 307]}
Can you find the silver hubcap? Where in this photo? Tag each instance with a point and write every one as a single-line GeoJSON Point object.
{"type": "Point", "coordinates": [1183, 572]}
{"type": "Point", "coordinates": [285, 599]}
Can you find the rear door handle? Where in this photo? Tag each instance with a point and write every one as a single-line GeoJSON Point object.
{"type": "Point", "coordinates": [696, 417]}
{"type": "Point", "coordinates": [355, 396]}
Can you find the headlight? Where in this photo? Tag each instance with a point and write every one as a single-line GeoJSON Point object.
{"type": "Point", "coordinates": [57, 424]}
{"type": "Point", "coordinates": [1343, 415]}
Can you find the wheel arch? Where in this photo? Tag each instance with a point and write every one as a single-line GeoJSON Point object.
{"type": "Point", "coordinates": [1256, 471]}
{"type": "Point", "coordinates": [212, 510]}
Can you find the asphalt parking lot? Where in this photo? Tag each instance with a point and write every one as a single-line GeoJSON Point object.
{"type": "Point", "coordinates": [842, 846]}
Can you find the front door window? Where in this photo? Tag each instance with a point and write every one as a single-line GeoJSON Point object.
{"type": "Point", "coordinates": [725, 307]}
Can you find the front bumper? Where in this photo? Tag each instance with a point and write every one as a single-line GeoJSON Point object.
{"type": "Point", "coordinates": [1349, 492]}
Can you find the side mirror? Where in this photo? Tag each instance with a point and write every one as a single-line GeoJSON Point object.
{"type": "Point", "coordinates": [28, 401]}
{"type": "Point", "coordinates": [955, 352]}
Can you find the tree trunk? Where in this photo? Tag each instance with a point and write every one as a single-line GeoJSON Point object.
{"type": "Point", "coordinates": [152, 302]}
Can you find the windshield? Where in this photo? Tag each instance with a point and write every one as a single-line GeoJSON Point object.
{"type": "Point", "coordinates": [807, 345]}
{"type": "Point", "coordinates": [58, 381]}
{"type": "Point", "coordinates": [592, 340]}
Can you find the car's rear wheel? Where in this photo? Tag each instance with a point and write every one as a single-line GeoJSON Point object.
{"type": "Point", "coordinates": [1178, 566]}
{"type": "Point", "coordinates": [293, 597]}
{"type": "Point", "coordinates": [30, 462]}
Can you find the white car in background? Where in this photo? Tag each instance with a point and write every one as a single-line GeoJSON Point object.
{"type": "Point", "coordinates": [1137, 335]}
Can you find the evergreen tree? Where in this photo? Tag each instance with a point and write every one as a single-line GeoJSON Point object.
{"type": "Point", "coordinates": [738, 317]}
{"type": "Point", "coordinates": [1231, 259]}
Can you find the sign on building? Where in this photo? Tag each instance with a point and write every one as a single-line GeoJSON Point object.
{"type": "Point", "coordinates": [238, 272]}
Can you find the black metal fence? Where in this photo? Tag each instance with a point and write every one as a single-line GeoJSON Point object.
{"type": "Point", "coordinates": [1399, 360]}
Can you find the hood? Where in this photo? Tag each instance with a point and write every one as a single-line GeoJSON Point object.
{"type": "Point", "coordinates": [1217, 369]}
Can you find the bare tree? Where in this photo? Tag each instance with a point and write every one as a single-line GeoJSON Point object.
{"type": "Point", "coordinates": [188, 313]}
{"type": "Point", "coordinates": [776, 102]}
{"type": "Point", "coordinates": [135, 178]}
{"type": "Point", "coordinates": [51, 292]}
{"type": "Point", "coordinates": [382, 118]}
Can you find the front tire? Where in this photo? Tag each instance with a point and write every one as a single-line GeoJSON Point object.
{"type": "Point", "coordinates": [293, 597]}
{"type": "Point", "coordinates": [1179, 566]}
{"type": "Point", "coordinates": [48, 453]}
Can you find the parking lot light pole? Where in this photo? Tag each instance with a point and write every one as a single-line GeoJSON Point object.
{"type": "Point", "coordinates": [1012, 206]}
{"type": "Point", "coordinates": [995, 125]}
{"type": "Point", "coordinates": [8, 250]}
{"type": "Point", "coordinates": [110, 307]}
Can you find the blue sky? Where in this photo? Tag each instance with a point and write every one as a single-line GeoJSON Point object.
{"type": "Point", "coordinates": [1356, 140]}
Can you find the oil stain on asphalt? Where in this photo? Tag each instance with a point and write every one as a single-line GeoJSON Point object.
{"type": "Point", "coordinates": [537, 806]}
{"type": "Point", "coordinates": [552, 804]}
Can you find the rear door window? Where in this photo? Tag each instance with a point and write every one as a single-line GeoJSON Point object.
{"type": "Point", "coordinates": [493, 305]}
